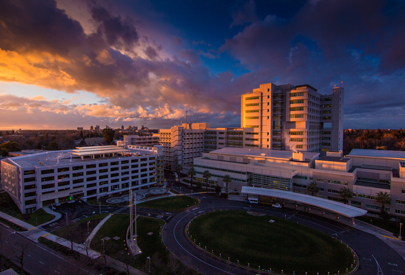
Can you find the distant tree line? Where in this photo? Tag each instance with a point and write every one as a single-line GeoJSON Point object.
{"type": "Point", "coordinates": [373, 139]}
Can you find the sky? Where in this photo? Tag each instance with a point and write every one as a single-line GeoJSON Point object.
{"type": "Point", "coordinates": [75, 63]}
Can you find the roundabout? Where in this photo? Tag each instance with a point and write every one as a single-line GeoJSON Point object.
{"type": "Point", "coordinates": [267, 243]}
{"type": "Point", "coordinates": [373, 254]}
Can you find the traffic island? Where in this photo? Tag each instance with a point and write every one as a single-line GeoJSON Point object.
{"type": "Point", "coordinates": [269, 244]}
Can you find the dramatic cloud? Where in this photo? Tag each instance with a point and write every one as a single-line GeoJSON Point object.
{"type": "Point", "coordinates": [148, 65]}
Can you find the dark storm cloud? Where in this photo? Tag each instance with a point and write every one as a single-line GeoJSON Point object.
{"type": "Point", "coordinates": [37, 25]}
{"type": "Point", "coordinates": [118, 32]}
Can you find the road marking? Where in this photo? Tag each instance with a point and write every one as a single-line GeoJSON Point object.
{"type": "Point", "coordinates": [56, 271]}
{"type": "Point", "coordinates": [45, 234]}
{"type": "Point", "coordinates": [394, 238]}
{"type": "Point", "coordinates": [379, 271]}
{"type": "Point", "coordinates": [189, 252]}
{"type": "Point", "coordinates": [32, 228]}
{"type": "Point", "coordinates": [41, 262]}
{"type": "Point", "coordinates": [393, 264]}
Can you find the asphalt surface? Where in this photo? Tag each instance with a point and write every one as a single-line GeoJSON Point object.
{"type": "Point", "coordinates": [374, 254]}
{"type": "Point", "coordinates": [38, 259]}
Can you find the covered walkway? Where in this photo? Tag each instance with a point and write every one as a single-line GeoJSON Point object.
{"type": "Point", "coordinates": [328, 205]}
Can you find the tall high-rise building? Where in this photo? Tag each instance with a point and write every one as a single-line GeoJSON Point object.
{"type": "Point", "coordinates": [288, 117]}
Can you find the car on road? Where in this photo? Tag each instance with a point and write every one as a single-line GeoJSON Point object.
{"type": "Point", "coordinates": [276, 205]}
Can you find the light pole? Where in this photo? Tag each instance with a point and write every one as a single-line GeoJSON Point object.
{"type": "Point", "coordinates": [99, 207]}
{"type": "Point", "coordinates": [88, 229]}
{"type": "Point", "coordinates": [66, 218]}
{"type": "Point", "coordinates": [149, 262]}
{"type": "Point", "coordinates": [103, 246]}
{"type": "Point", "coordinates": [400, 229]}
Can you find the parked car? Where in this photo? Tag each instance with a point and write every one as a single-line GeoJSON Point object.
{"type": "Point", "coordinates": [276, 205]}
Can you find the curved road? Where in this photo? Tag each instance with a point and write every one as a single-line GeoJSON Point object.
{"type": "Point", "coordinates": [373, 253]}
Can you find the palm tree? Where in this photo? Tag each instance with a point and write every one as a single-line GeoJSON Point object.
{"type": "Point", "coordinates": [346, 194]}
{"type": "Point", "coordinates": [227, 180]}
{"type": "Point", "coordinates": [383, 198]}
{"type": "Point", "coordinates": [313, 188]}
{"type": "Point", "coordinates": [191, 172]}
{"type": "Point", "coordinates": [206, 176]}
{"type": "Point", "coordinates": [178, 169]}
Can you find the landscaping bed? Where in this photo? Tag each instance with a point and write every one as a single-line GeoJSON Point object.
{"type": "Point", "coordinates": [150, 245]}
{"type": "Point", "coordinates": [176, 203]}
{"type": "Point", "coordinates": [390, 226]}
{"type": "Point", "coordinates": [77, 231]}
{"type": "Point", "coordinates": [279, 245]}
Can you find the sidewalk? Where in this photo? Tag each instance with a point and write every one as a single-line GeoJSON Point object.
{"type": "Point", "coordinates": [56, 215]}
{"type": "Point", "coordinates": [96, 229]}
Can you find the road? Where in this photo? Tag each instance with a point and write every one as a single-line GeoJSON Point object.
{"type": "Point", "coordinates": [38, 259]}
{"type": "Point", "coordinates": [373, 253]}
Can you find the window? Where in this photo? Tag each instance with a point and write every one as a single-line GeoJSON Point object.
{"type": "Point", "coordinates": [134, 160]}
{"type": "Point", "coordinates": [253, 117]}
{"type": "Point", "coordinates": [64, 169]}
{"type": "Point", "coordinates": [400, 202]}
{"type": "Point", "coordinates": [91, 166]}
{"type": "Point", "coordinates": [114, 175]}
{"type": "Point", "coordinates": [114, 163]}
{"type": "Point", "coordinates": [124, 161]}
{"type": "Point", "coordinates": [29, 172]}
{"type": "Point", "coordinates": [297, 116]}
{"type": "Point", "coordinates": [297, 109]}
{"type": "Point", "coordinates": [91, 172]}
{"type": "Point", "coordinates": [299, 146]}
{"type": "Point", "coordinates": [103, 170]}
{"type": "Point", "coordinates": [80, 174]}
{"type": "Point", "coordinates": [63, 183]}
{"type": "Point", "coordinates": [251, 111]}
{"type": "Point", "coordinates": [77, 181]}
{"type": "Point", "coordinates": [75, 168]}
{"type": "Point", "coordinates": [49, 171]}
{"type": "Point", "coordinates": [91, 179]}
{"type": "Point", "coordinates": [104, 164]}
{"type": "Point", "coordinates": [296, 101]}
{"type": "Point", "coordinates": [296, 133]}
{"type": "Point", "coordinates": [297, 139]}
{"type": "Point", "coordinates": [29, 179]}
{"type": "Point", "coordinates": [61, 177]}
{"type": "Point", "coordinates": [252, 104]}
{"type": "Point", "coordinates": [252, 126]}
{"type": "Point", "coordinates": [296, 94]}
{"type": "Point", "coordinates": [252, 98]}
{"type": "Point", "coordinates": [47, 179]}
{"type": "Point", "coordinates": [46, 186]}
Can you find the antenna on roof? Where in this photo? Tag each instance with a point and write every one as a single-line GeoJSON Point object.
{"type": "Point", "coordinates": [342, 83]}
{"type": "Point", "coordinates": [186, 114]}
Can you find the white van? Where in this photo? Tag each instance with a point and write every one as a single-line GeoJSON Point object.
{"type": "Point", "coordinates": [253, 200]}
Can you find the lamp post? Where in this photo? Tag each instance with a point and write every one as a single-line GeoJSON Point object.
{"type": "Point", "coordinates": [149, 262]}
{"type": "Point", "coordinates": [66, 218]}
{"type": "Point", "coordinates": [88, 229]}
{"type": "Point", "coordinates": [400, 229]}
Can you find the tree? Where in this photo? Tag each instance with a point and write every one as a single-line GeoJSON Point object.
{"type": "Point", "coordinates": [218, 189]}
{"type": "Point", "coordinates": [346, 194]}
{"type": "Point", "coordinates": [178, 169]}
{"type": "Point", "coordinates": [81, 134]}
{"type": "Point", "coordinates": [19, 249]}
{"type": "Point", "coordinates": [313, 188]}
{"type": "Point", "coordinates": [227, 180]}
{"type": "Point", "coordinates": [384, 199]}
{"type": "Point", "coordinates": [108, 135]}
{"type": "Point", "coordinates": [191, 172]}
{"type": "Point", "coordinates": [9, 147]}
{"type": "Point", "coordinates": [206, 176]}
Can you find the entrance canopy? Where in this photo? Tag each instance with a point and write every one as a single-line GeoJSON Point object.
{"type": "Point", "coordinates": [329, 205]}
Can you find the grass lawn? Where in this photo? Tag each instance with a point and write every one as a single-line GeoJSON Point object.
{"type": "Point", "coordinates": [77, 231]}
{"type": "Point", "coordinates": [387, 225]}
{"type": "Point", "coordinates": [177, 203]}
{"type": "Point", "coordinates": [282, 245]}
{"type": "Point", "coordinates": [8, 206]}
{"type": "Point", "coordinates": [150, 245]}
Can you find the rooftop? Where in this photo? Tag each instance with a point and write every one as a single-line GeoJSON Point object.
{"type": "Point", "coordinates": [377, 153]}
{"type": "Point", "coordinates": [334, 159]}
{"type": "Point", "coordinates": [52, 158]}
{"type": "Point", "coordinates": [262, 153]}
{"type": "Point", "coordinates": [333, 206]}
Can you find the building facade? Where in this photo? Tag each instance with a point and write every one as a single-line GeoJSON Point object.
{"type": "Point", "coordinates": [142, 140]}
{"type": "Point", "coordinates": [47, 178]}
{"type": "Point", "coordinates": [297, 118]}
{"type": "Point", "coordinates": [364, 172]}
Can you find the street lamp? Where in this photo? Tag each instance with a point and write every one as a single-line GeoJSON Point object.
{"type": "Point", "coordinates": [400, 229]}
{"type": "Point", "coordinates": [88, 229]}
{"type": "Point", "coordinates": [149, 262]}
